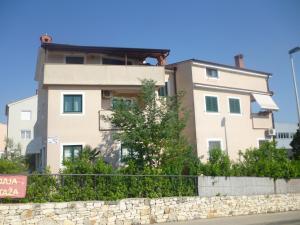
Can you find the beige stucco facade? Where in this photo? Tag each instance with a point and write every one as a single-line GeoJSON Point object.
{"type": "Point", "coordinates": [234, 131]}
{"type": "Point", "coordinates": [56, 79]}
{"type": "Point", "coordinates": [97, 83]}
{"type": "Point", "coordinates": [3, 131]}
{"type": "Point", "coordinates": [21, 122]}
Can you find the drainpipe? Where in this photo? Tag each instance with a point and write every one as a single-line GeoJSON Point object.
{"type": "Point", "coordinates": [175, 81]}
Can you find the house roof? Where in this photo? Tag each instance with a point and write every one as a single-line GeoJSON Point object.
{"type": "Point", "coordinates": [220, 65]}
{"type": "Point", "coordinates": [140, 53]}
{"type": "Point", "coordinates": [16, 102]}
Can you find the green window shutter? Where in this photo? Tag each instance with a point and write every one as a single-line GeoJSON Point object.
{"type": "Point", "coordinates": [234, 106]}
{"type": "Point", "coordinates": [211, 104]}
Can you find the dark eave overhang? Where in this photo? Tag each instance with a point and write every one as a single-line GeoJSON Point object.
{"type": "Point", "coordinates": [139, 53]}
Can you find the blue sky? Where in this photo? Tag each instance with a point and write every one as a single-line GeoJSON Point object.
{"type": "Point", "coordinates": [263, 30]}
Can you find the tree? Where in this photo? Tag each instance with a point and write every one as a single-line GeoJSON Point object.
{"type": "Point", "coordinates": [267, 161]}
{"type": "Point", "coordinates": [295, 144]}
{"type": "Point", "coordinates": [151, 131]}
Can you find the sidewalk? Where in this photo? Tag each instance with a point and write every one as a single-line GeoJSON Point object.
{"type": "Point", "coordinates": [285, 218]}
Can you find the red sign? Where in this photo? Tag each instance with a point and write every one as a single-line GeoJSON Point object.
{"type": "Point", "coordinates": [13, 186]}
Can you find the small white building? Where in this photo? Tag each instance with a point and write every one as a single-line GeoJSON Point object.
{"type": "Point", "coordinates": [284, 134]}
{"type": "Point", "coordinates": [21, 121]}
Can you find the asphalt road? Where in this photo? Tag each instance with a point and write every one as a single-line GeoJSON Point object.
{"type": "Point", "coordinates": [286, 218]}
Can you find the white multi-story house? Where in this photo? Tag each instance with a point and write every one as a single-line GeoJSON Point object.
{"type": "Point", "coordinates": [221, 100]}
{"type": "Point", "coordinates": [21, 121]}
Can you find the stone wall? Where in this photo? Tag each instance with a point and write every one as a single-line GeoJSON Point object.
{"type": "Point", "coordinates": [145, 211]}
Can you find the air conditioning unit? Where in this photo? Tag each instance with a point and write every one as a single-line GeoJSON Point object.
{"type": "Point", "coordinates": [271, 132]}
{"type": "Point", "coordinates": [106, 94]}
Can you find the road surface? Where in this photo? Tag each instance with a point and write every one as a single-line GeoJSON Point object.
{"type": "Point", "coordinates": [286, 218]}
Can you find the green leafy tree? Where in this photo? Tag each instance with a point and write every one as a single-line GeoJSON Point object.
{"type": "Point", "coordinates": [266, 161]}
{"type": "Point", "coordinates": [296, 145]}
{"type": "Point", "coordinates": [151, 130]}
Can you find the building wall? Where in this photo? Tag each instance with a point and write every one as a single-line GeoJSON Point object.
{"type": "Point", "coordinates": [3, 131]}
{"type": "Point", "coordinates": [15, 124]}
{"type": "Point", "coordinates": [184, 85]}
{"type": "Point", "coordinates": [236, 132]}
{"type": "Point", "coordinates": [285, 133]}
{"type": "Point", "coordinates": [230, 78]}
{"type": "Point", "coordinates": [88, 128]}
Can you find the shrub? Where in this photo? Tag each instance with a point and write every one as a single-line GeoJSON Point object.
{"type": "Point", "coordinates": [266, 161]}
{"type": "Point", "coordinates": [218, 164]}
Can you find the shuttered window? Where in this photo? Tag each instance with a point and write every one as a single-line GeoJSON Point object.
{"type": "Point", "coordinates": [234, 106]}
{"type": "Point", "coordinates": [211, 104]}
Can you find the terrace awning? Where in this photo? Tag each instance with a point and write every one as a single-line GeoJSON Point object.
{"type": "Point", "coordinates": [265, 102]}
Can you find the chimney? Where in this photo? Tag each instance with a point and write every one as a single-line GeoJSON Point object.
{"type": "Point", "coordinates": [45, 38]}
{"type": "Point", "coordinates": [239, 61]}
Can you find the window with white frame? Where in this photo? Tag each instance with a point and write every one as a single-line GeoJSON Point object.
{"type": "Point", "coordinates": [25, 134]}
{"type": "Point", "coordinates": [214, 144]}
{"type": "Point", "coordinates": [234, 106]}
{"type": "Point", "coordinates": [211, 104]}
{"type": "Point", "coordinates": [26, 115]}
{"type": "Point", "coordinates": [70, 152]}
{"type": "Point", "coordinates": [212, 73]}
{"type": "Point", "coordinates": [72, 103]}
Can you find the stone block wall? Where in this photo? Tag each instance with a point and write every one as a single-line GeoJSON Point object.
{"type": "Point", "coordinates": [144, 211]}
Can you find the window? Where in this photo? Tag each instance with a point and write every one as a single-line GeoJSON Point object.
{"type": "Point", "coordinates": [234, 106]}
{"type": "Point", "coordinates": [72, 103]}
{"type": "Point", "coordinates": [163, 91]}
{"type": "Point", "coordinates": [214, 144]}
{"type": "Point", "coordinates": [70, 152]}
{"type": "Point", "coordinates": [26, 115]}
{"type": "Point", "coordinates": [74, 59]}
{"type": "Point", "coordinates": [25, 134]}
{"type": "Point", "coordinates": [115, 101]}
{"type": "Point", "coordinates": [212, 73]}
{"type": "Point", "coordinates": [124, 152]}
{"type": "Point", "coordinates": [261, 142]}
{"type": "Point", "coordinates": [211, 104]}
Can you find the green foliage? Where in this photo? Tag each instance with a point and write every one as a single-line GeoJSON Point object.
{"type": "Point", "coordinates": [12, 166]}
{"type": "Point", "coordinates": [218, 164]}
{"type": "Point", "coordinates": [152, 132]}
{"type": "Point", "coordinates": [267, 161]}
{"type": "Point", "coordinates": [296, 145]}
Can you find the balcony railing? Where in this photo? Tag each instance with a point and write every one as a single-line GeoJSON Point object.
{"type": "Point", "coordinates": [261, 120]}
{"type": "Point", "coordinates": [104, 123]}
{"type": "Point", "coordinates": [67, 74]}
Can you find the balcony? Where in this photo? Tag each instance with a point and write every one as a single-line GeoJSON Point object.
{"type": "Point", "coordinates": [67, 74]}
{"type": "Point", "coordinates": [261, 120]}
{"type": "Point", "coordinates": [103, 123]}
